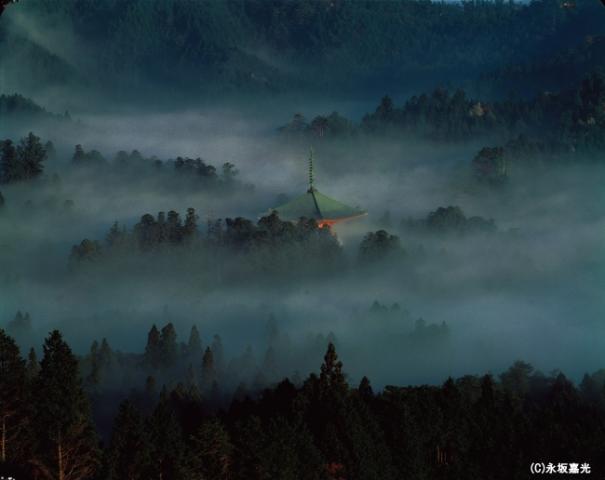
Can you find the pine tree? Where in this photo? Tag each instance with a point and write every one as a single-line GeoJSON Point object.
{"type": "Point", "coordinates": [190, 227]}
{"type": "Point", "coordinates": [211, 452]}
{"type": "Point", "coordinates": [331, 376]}
{"type": "Point", "coordinates": [152, 355]}
{"type": "Point", "coordinates": [106, 356]}
{"type": "Point", "coordinates": [31, 155]}
{"type": "Point", "coordinates": [174, 228]}
{"type": "Point", "coordinates": [194, 346]}
{"type": "Point", "coordinates": [365, 389]}
{"type": "Point", "coordinates": [129, 453]}
{"type": "Point", "coordinates": [13, 399]}
{"type": "Point", "coordinates": [79, 156]}
{"type": "Point", "coordinates": [68, 443]}
{"type": "Point", "coordinates": [168, 346]}
{"type": "Point", "coordinates": [33, 366]}
{"type": "Point", "coordinates": [51, 152]}
{"type": "Point", "coordinates": [167, 444]}
{"type": "Point", "coordinates": [208, 370]}
{"type": "Point", "coordinates": [10, 167]}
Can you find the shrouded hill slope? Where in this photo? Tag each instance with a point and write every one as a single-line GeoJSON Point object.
{"type": "Point", "coordinates": [279, 45]}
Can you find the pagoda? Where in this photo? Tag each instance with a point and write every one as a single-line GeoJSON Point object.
{"type": "Point", "coordinates": [316, 205]}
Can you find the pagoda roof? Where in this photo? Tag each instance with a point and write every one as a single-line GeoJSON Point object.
{"type": "Point", "coordinates": [316, 205]}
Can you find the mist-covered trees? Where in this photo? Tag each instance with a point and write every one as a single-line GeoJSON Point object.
{"type": "Point", "coordinates": [333, 125]}
{"type": "Point", "coordinates": [380, 245]}
{"type": "Point", "coordinates": [22, 162]}
{"type": "Point", "coordinates": [129, 454]}
{"type": "Point", "coordinates": [211, 452]}
{"type": "Point", "coordinates": [271, 245]}
{"type": "Point", "coordinates": [208, 42]}
{"type": "Point", "coordinates": [15, 439]}
{"type": "Point", "coordinates": [548, 127]}
{"type": "Point", "coordinates": [490, 165]}
{"type": "Point", "coordinates": [92, 158]}
{"type": "Point", "coordinates": [450, 220]}
{"type": "Point", "coordinates": [69, 445]}
{"type": "Point", "coordinates": [322, 428]}
{"type": "Point", "coordinates": [182, 169]}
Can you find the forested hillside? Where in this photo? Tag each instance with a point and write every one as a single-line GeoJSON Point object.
{"type": "Point", "coordinates": [321, 427]}
{"type": "Point", "coordinates": [282, 45]}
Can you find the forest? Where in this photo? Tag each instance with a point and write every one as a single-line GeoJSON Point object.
{"type": "Point", "coordinates": [319, 427]}
{"type": "Point", "coordinates": [277, 46]}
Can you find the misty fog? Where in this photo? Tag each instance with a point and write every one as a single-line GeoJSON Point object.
{"type": "Point", "coordinates": [528, 291]}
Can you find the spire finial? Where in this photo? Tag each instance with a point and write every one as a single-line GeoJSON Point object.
{"type": "Point", "coordinates": [311, 168]}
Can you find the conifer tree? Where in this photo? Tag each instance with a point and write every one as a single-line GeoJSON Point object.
{"type": "Point", "coordinates": [31, 155]}
{"type": "Point", "coordinates": [211, 452]}
{"type": "Point", "coordinates": [13, 399]}
{"type": "Point", "coordinates": [168, 346]}
{"type": "Point", "coordinates": [129, 454]}
{"type": "Point", "coordinates": [190, 227]}
{"type": "Point", "coordinates": [152, 355]}
{"type": "Point", "coordinates": [10, 167]}
{"type": "Point", "coordinates": [33, 366]}
{"type": "Point", "coordinates": [194, 346]}
{"type": "Point", "coordinates": [167, 444]}
{"type": "Point", "coordinates": [365, 389]}
{"type": "Point", "coordinates": [331, 376]}
{"type": "Point", "coordinates": [208, 371]}
{"type": "Point", "coordinates": [68, 444]}
{"type": "Point", "coordinates": [106, 356]}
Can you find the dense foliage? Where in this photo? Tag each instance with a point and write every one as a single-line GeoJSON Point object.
{"type": "Point", "coordinates": [319, 428]}
{"type": "Point", "coordinates": [268, 246]}
{"type": "Point", "coordinates": [181, 171]}
{"type": "Point", "coordinates": [450, 220]}
{"type": "Point", "coordinates": [204, 45]}
{"type": "Point", "coordinates": [24, 161]}
{"type": "Point", "coordinates": [569, 119]}
{"type": "Point", "coordinates": [16, 106]}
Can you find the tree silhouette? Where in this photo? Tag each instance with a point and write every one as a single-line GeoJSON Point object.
{"type": "Point", "coordinates": [68, 443]}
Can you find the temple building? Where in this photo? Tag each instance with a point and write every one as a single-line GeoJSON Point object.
{"type": "Point", "coordinates": [313, 204]}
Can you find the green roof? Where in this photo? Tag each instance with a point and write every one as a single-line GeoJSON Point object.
{"type": "Point", "coordinates": [314, 204]}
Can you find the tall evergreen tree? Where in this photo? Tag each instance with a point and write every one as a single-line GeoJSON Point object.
{"type": "Point", "coordinates": [10, 167]}
{"type": "Point", "coordinates": [68, 444]}
{"type": "Point", "coordinates": [331, 376]}
{"type": "Point", "coordinates": [152, 356]}
{"type": "Point", "coordinates": [33, 366]}
{"type": "Point", "coordinates": [210, 452]}
{"type": "Point", "coordinates": [106, 355]}
{"type": "Point", "coordinates": [31, 154]}
{"type": "Point", "coordinates": [167, 444]}
{"type": "Point", "coordinates": [208, 370]}
{"type": "Point", "coordinates": [194, 346]}
{"type": "Point", "coordinates": [190, 227]}
{"type": "Point", "coordinates": [13, 400]}
{"type": "Point", "coordinates": [168, 346]}
{"type": "Point", "coordinates": [129, 453]}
